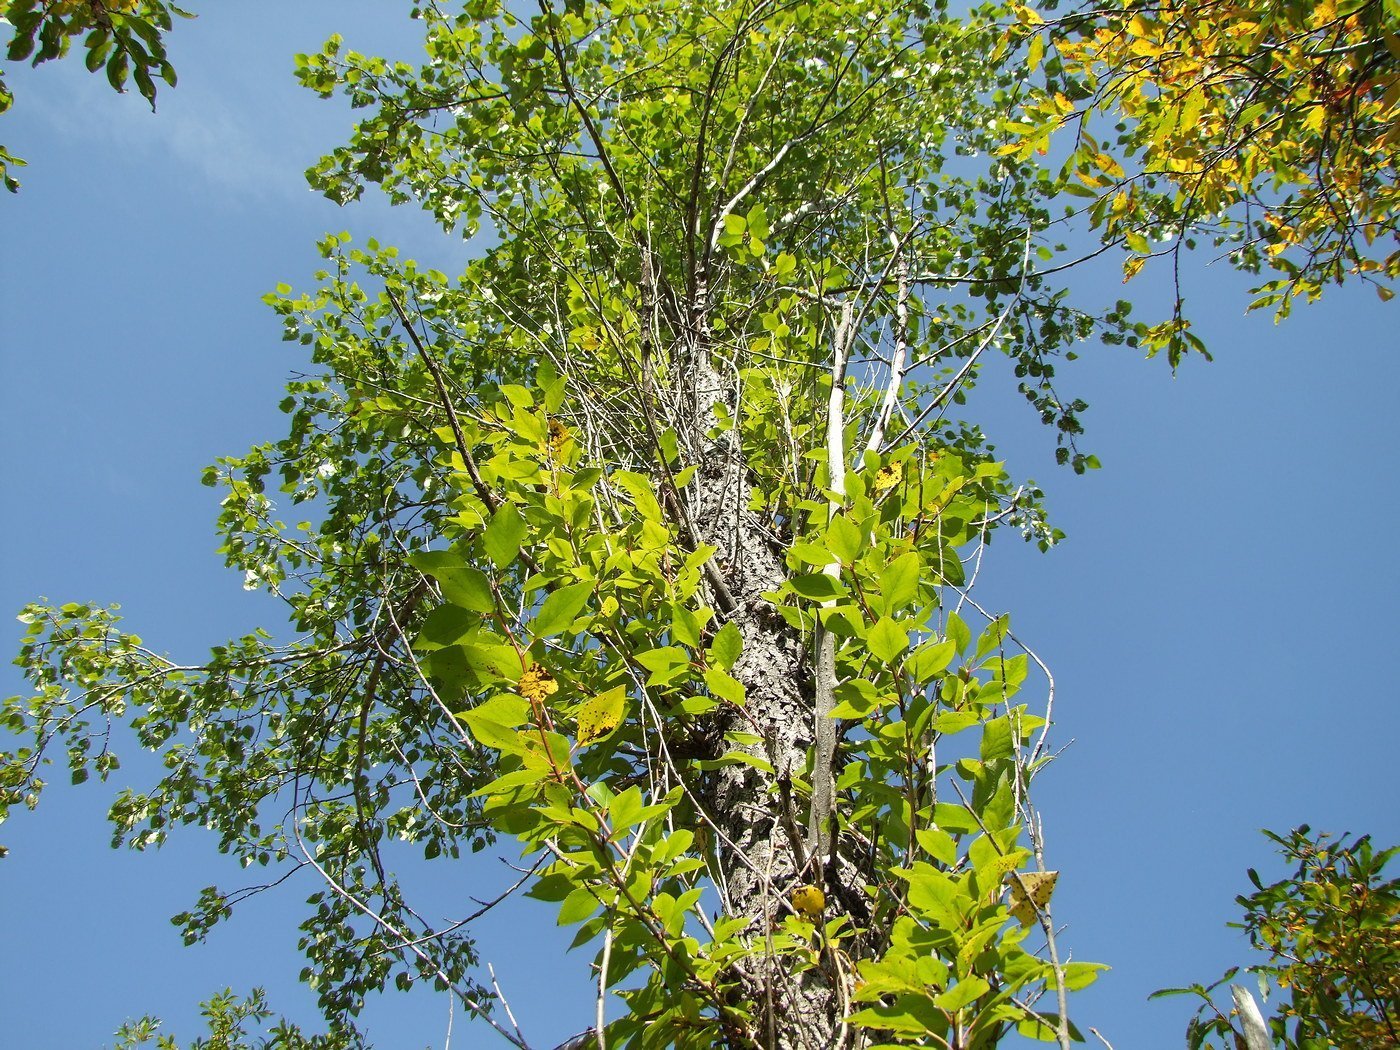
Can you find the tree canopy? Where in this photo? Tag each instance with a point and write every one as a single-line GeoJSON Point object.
{"type": "Point", "coordinates": [642, 545]}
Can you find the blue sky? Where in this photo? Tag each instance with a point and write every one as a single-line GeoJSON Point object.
{"type": "Point", "coordinates": [1220, 620]}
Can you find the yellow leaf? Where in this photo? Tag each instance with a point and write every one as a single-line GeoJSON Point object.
{"type": "Point", "coordinates": [888, 477]}
{"type": "Point", "coordinates": [1108, 165]}
{"type": "Point", "coordinates": [809, 901]}
{"type": "Point", "coordinates": [600, 716]}
{"type": "Point", "coordinates": [1131, 266]}
{"type": "Point", "coordinates": [1030, 892]}
{"type": "Point", "coordinates": [536, 683]}
{"type": "Point", "coordinates": [558, 436]}
{"type": "Point", "coordinates": [1028, 16]}
{"type": "Point", "coordinates": [1037, 52]}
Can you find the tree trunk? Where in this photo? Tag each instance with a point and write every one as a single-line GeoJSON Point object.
{"type": "Point", "coordinates": [762, 858]}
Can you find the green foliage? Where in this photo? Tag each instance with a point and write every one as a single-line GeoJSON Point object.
{"type": "Point", "coordinates": [124, 38]}
{"type": "Point", "coordinates": [228, 1018]}
{"type": "Point", "coordinates": [642, 547]}
{"type": "Point", "coordinates": [1331, 931]}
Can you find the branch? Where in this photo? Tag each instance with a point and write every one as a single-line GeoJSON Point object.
{"type": "Point", "coordinates": [824, 730]}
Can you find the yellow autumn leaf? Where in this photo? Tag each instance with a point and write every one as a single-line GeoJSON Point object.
{"type": "Point", "coordinates": [1030, 892]}
{"type": "Point", "coordinates": [599, 717]}
{"type": "Point", "coordinates": [809, 901]}
{"type": "Point", "coordinates": [558, 436]}
{"type": "Point", "coordinates": [1037, 52]}
{"type": "Point", "coordinates": [536, 683]}
{"type": "Point", "coordinates": [887, 477]}
{"type": "Point", "coordinates": [1108, 165]}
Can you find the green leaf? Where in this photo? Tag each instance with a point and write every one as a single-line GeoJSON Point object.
{"type": "Point", "coordinates": [578, 905]}
{"type": "Point", "coordinates": [909, 1015]}
{"type": "Point", "coordinates": [887, 640]}
{"type": "Point", "coordinates": [724, 686]}
{"type": "Point", "coordinates": [857, 698]}
{"type": "Point", "coordinates": [732, 758]}
{"type": "Point", "coordinates": [1079, 975]}
{"type": "Point", "coordinates": [626, 809]}
{"type": "Point", "coordinates": [757, 222]}
{"type": "Point", "coordinates": [687, 623]}
{"type": "Point", "coordinates": [938, 844]}
{"type": "Point", "coordinates": [949, 568]}
{"type": "Point", "coordinates": [493, 734]}
{"type": "Point", "coordinates": [958, 632]}
{"type": "Point", "coordinates": [949, 722]}
{"type": "Point", "coordinates": [938, 895]}
{"type": "Point", "coordinates": [811, 553]}
{"type": "Point", "coordinates": [446, 625]}
{"type": "Point", "coordinates": [844, 539]}
{"type": "Point", "coordinates": [962, 994]}
{"type": "Point", "coordinates": [503, 535]}
{"type": "Point", "coordinates": [117, 67]}
{"type": "Point", "coordinates": [992, 639]}
{"type": "Point", "coordinates": [666, 664]}
{"type": "Point", "coordinates": [954, 818]}
{"type": "Point", "coordinates": [560, 609]}
{"type": "Point", "coordinates": [998, 740]}
{"type": "Point", "coordinates": [726, 646]}
{"type": "Point", "coordinates": [818, 586]}
{"type": "Point", "coordinates": [642, 490]}
{"type": "Point", "coordinates": [461, 584]}
{"type": "Point", "coordinates": [899, 582]}
{"type": "Point", "coordinates": [931, 658]}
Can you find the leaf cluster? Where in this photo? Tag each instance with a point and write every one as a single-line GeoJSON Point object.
{"type": "Point", "coordinates": [1331, 933]}
{"type": "Point", "coordinates": [122, 37]}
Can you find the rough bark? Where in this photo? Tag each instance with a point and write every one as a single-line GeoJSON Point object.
{"type": "Point", "coordinates": [763, 856]}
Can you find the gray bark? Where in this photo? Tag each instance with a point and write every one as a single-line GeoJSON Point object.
{"type": "Point", "coordinates": [762, 855]}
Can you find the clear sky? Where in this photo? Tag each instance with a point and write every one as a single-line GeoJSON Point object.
{"type": "Point", "coordinates": [1220, 621]}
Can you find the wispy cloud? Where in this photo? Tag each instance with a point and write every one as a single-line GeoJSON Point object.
{"type": "Point", "coordinates": [249, 152]}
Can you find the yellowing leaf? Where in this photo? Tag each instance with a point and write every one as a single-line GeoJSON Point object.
{"type": "Point", "coordinates": [1108, 165]}
{"type": "Point", "coordinates": [599, 717]}
{"type": "Point", "coordinates": [558, 435]}
{"type": "Point", "coordinates": [887, 477]}
{"type": "Point", "coordinates": [536, 683]}
{"type": "Point", "coordinates": [1037, 52]}
{"type": "Point", "coordinates": [809, 901]}
{"type": "Point", "coordinates": [1030, 892]}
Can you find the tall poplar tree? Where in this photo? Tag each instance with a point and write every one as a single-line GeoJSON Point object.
{"type": "Point", "coordinates": [642, 546]}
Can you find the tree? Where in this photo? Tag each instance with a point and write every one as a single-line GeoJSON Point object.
{"type": "Point", "coordinates": [1331, 931]}
{"type": "Point", "coordinates": [122, 37]}
{"type": "Point", "coordinates": [642, 541]}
